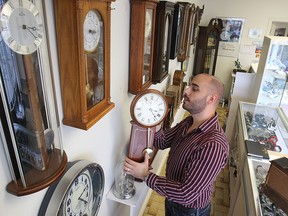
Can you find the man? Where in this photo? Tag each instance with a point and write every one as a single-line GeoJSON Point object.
{"type": "Point", "coordinates": [198, 152]}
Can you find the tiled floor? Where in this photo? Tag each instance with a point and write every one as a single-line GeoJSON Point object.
{"type": "Point", "coordinates": [220, 198]}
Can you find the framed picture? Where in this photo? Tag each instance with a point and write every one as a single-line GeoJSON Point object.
{"type": "Point", "coordinates": [230, 36]}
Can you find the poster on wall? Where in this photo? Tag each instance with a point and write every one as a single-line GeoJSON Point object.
{"type": "Point", "coordinates": [230, 37]}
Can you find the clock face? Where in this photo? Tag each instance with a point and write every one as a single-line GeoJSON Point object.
{"type": "Point", "coordinates": [149, 108]}
{"type": "Point", "coordinates": [91, 30]}
{"type": "Point", "coordinates": [21, 26]}
{"type": "Point", "coordinates": [79, 195]}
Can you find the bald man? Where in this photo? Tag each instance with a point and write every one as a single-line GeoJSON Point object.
{"type": "Point", "coordinates": [198, 152]}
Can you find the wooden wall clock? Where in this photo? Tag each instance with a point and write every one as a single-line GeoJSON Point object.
{"type": "Point", "coordinates": [142, 26]}
{"type": "Point", "coordinates": [186, 25]}
{"type": "Point", "coordinates": [148, 109]}
{"type": "Point", "coordinates": [29, 123]}
{"type": "Point", "coordinates": [83, 36]}
{"type": "Point", "coordinates": [162, 40]}
{"type": "Point", "coordinates": [176, 30]}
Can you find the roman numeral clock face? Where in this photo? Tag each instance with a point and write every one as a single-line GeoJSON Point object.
{"type": "Point", "coordinates": [149, 108]}
{"type": "Point", "coordinates": [21, 26]}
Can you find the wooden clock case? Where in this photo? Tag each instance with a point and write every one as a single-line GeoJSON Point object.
{"type": "Point", "coordinates": [70, 16]}
{"type": "Point", "coordinates": [142, 27]}
{"type": "Point", "coordinates": [162, 40]}
{"type": "Point", "coordinates": [207, 47]}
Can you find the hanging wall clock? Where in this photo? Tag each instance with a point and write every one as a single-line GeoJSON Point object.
{"type": "Point", "coordinates": [78, 192]}
{"type": "Point", "coordinates": [163, 31]}
{"type": "Point", "coordinates": [83, 37]}
{"type": "Point", "coordinates": [29, 122]}
{"type": "Point", "coordinates": [148, 109]}
{"type": "Point", "coordinates": [142, 26]}
{"type": "Point", "coordinates": [176, 30]}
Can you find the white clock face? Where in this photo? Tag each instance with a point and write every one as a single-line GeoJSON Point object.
{"type": "Point", "coordinates": [150, 109]}
{"type": "Point", "coordinates": [21, 26]}
{"type": "Point", "coordinates": [92, 30]}
{"type": "Point", "coordinates": [78, 196]}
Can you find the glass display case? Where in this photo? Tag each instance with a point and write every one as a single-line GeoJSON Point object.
{"type": "Point", "coordinates": [271, 73]}
{"type": "Point", "coordinates": [258, 171]}
{"type": "Point", "coordinates": [265, 124]}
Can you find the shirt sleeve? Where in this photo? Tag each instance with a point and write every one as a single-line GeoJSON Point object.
{"type": "Point", "coordinates": [200, 173]}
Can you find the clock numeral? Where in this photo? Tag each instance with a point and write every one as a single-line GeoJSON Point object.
{"type": "Point", "coordinates": [10, 40]}
{"type": "Point", "coordinates": [11, 5]}
{"type": "Point", "coordinates": [18, 47]}
{"type": "Point", "coordinates": [139, 115]}
{"type": "Point", "coordinates": [20, 3]}
{"type": "Point", "coordinates": [4, 28]}
{"type": "Point", "coordinates": [4, 16]}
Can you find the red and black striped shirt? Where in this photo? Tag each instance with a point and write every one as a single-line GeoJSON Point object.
{"type": "Point", "coordinates": [194, 161]}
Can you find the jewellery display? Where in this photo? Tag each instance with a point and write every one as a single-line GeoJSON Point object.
{"type": "Point", "coordinates": [262, 128]}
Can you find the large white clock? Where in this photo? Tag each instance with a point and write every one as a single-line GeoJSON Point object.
{"type": "Point", "coordinates": [149, 108]}
{"type": "Point", "coordinates": [21, 26]}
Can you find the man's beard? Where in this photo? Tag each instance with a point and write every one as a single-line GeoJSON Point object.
{"type": "Point", "coordinates": [195, 107]}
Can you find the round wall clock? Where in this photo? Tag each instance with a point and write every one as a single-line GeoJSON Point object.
{"type": "Point", "coordinates": [78, 192]}
{"type": "Point", "coordinates": [91, 30]}
{"type": "Point", "coordinates": [149, 108]}
{"type": "Point", "coordinates": [21, 26]}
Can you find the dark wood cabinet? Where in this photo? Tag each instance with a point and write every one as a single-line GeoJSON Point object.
{"type": "Point", "coordinates": [162, 40]}
{"type": "Point", "coordinates": [207, 47]}
{"type": "Point", "coordinates": [178, 17]}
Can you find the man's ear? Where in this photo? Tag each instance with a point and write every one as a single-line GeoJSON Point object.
{"type": "Point", "coordinates": [213, 98]}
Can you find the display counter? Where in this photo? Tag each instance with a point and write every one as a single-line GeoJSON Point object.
{"type": "Point", "coordinates": [267, 126]}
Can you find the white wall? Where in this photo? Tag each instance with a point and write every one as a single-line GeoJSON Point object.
{"type": "Point", "coordinates": [257, 14]}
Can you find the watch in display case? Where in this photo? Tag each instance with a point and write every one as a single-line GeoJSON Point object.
{"type": "Point", "coordinates": [162, 41]}
{"type": "Point", "coordinates": [83, 31]}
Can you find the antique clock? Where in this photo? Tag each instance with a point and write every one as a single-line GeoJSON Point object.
{"type": "Point", "coordinates": [30, 130]}
{"type": "Point", "coordinates": [83, 36]}
{"type": "Point", "coordinates": [207, 47]}
{"type": "Point", "coordinates": [78, 192]}
{"type": "Point", "coordinates": [162, 40]}
{"type": "Point", "coordinates": [142, 25]}
{"type": "Point", "coordinates": [176, 30]}
{"type": "Point", "coordinates": [186, 25]}
{"type": "Point", "coordinates": [148, 109]}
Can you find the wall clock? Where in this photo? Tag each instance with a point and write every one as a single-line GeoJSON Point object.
{"type": "Point", "coordinates": [83, 37]}
{"type": "Point", "coordinates": [148, 109]}
{"type": "Point", "coordinates": [184, 36]}
{"type": "Point", "coordinates": [29, 123]}
{"type": "Point", "coordinates": [78, 192]}
{"type": "Point", "coordinates": [142, 25]}
{"type": "Point", "coordinates": [176, 30]}
{"type": "Point", "coordinates": [162, 41]}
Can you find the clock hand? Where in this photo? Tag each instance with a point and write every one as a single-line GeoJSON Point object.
{"type": "Point", "coordinates": [27, 28]}
{"type": "Point", "coordinates": [85, 201]}
{"type": "Point", "coordinates": [92, 31]}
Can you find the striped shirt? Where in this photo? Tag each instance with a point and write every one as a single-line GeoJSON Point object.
{"type": "Point", "coordinates": [194, 161]}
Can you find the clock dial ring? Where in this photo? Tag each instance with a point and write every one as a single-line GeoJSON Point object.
{"type": "Point", "coordinates": [149, 108]}
{"type": "Point", "coordinates": [22, 26]}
